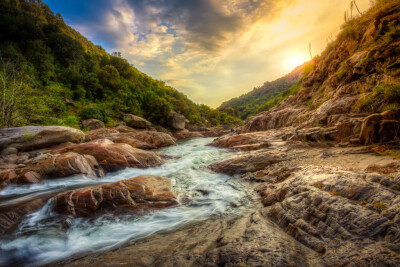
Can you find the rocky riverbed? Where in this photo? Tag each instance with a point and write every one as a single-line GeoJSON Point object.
{"type": "Point", "coordinates": [311, 204]}
{"type": "Point", "coordinates": [250, 199]}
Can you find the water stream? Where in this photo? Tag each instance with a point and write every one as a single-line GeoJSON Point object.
{"type": "Point", "coordinates": [45, 236]}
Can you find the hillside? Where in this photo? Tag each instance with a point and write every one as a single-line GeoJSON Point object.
{"type": "Point", "coordinates": [256, 100]}
{"type": "Point", "coordinates": [357, 75]}
{"type": "Point", "coordinates": [55, 76]}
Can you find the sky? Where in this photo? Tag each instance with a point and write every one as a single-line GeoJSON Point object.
{"type": "Point", "coordinates": [211, 50]}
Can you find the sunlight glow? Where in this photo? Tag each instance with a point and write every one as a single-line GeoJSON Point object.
{"type": "Point", "coordinates": [294, 61]}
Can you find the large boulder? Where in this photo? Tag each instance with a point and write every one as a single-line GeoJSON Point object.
{"type": "Point", "coordinates": [156, 139]}
{"type": "Point", "coordinates": [136, 122]}
{"type": "Point", "coordinates": [246, 141]}
{"type": "Point", "coordinates": [139, 193]}
{"type": "Point", "coordinates": [114, 157]}
{"type": "Point", "coordinates": [249, 162]}
{"type": "Point", "coordinates": [137, 139]}
{"type": "Point", "coordinates": [70, 163]}
{"type": "Point", "coordinates": [92, 124]}
{"type": "Point", "coordinates": [35, 137]}
{"type": "Point", "coordinates": [177, 121]}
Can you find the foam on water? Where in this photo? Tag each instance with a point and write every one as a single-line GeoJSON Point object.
{"type": "Point", "coordinates": [45, 236]}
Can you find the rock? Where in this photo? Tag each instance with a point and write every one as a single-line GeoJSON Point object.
{"type": "Point", "coordinates": [114, 157]}
{"type": "Point", "coordinates": [139, 193]}
{"type": "Point", "coordinates": [136, 122]}
{"type": "Point", "coordinates": [137, 139]}
{"type": "Point", "coordinates": [132, 141]}
{"type": "Point", "coordinates": [30, 177]}
{"type": "Point", "coordinates": [9, 151]}
{"type": "Point", "coordinates": [383, 127]}
{"type": "Point", "coordinates": [370, 129]}
{"type": "Point", "coordinates": [11, 159]}
{"type": "Point", "coordinates": [35, 137]}
{"type": "Point", "coordinates": [177, 121]}
{"type": "Point", "coordinates": [388, 130]}
{"type": "Point", "coordinates": [70, 163]}
{"type": "Point", "coordinates": [247, 141]}
{"type": "Point", "coordinates": [9, 219]}
{"type": "Point", "coordinates": [92, 124]}
{"type": "Point", "coordinates": [249, 162]}
{"type": "Point", "coordinates": [100, 134]}
{"type": "Point", "coordinates": [156, 139]}
{"type": "Point", "coordinates": [184, 134]}
{"type": "Point", "coordinates": [124, 129]}
{"type": "Point", "coordinates": [315, 134]}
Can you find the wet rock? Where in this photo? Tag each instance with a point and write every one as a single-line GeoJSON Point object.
{"type": "Point", "coordinates": [249, 162]}
{"type": "Point", "coordinates": [9, 151]}
{"type": "Point", "coordinates": [35, 137]}
{"type": "Point", "coordinates": [11, 218]}
{"type": "Point", "coordinates": [30, 177]}
{"type": "Point", "coordinates": [139, 193]}
{"type": "Point", "coordinates": [70, 163]}
{"type": "Point", "coordinates": [113, 157]}
{"type": "Point", "coordinates": [247, 141]}
{"type": "Point", "coordinates": [92, 124]}
{"type": "Point", "coordinates": [136, 122]}
{"type": "Point", "coordinates": [177, 121]}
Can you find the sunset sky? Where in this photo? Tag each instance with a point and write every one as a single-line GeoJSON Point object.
{"type": "Point", "coordinates": [211, 50]}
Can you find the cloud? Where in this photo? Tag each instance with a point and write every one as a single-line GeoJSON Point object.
{"type": "Point", "coordinates": [211, 50]}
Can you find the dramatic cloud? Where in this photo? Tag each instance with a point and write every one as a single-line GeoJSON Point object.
{"type": "Point", "coordinates": [211, 50]}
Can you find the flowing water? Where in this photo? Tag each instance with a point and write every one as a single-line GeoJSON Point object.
{"type": "Point", "coordinates": [45, 236]}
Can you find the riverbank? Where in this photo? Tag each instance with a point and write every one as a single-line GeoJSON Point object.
{"type": "Point", "coordinates": [318, 205]}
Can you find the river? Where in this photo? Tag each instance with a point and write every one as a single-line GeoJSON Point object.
{"type": "Point", "coordinates": [45, 236]}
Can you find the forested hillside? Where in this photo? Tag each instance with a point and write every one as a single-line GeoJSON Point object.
{"type": "Point", "coordinates": [262, 98]}
{"type": "Point", "coordinates": [54, 75]}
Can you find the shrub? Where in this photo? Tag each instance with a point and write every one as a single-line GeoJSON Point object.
{"type": "Point", "coordinates": [391, 107]}
{"type": "Point", "coordinates": [71, 121]}
{"type": "Point", "coordinates": [94, 113]}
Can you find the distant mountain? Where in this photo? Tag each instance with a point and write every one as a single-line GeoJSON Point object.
{"type": "Point", "coordinates": [253, 102]}
{"type": "Point", "coordinates": [66, 78]}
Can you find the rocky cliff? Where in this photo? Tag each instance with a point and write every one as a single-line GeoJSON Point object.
{"type": "Point", "coordinates": [357, 75]}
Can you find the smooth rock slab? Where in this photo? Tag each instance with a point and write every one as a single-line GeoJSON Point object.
{"type": "Point", "coordinates": [35, 137]}
{"type": "Point", "coordinates": [143, 192]}
{"type": "Point", "coordinates": [249, 162]}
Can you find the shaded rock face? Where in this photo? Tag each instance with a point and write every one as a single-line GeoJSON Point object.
{"type": "Point", "coordinates": [136, 122]}
{"type": "Point", "coordinates": [381, 127]}
{"type": "Point", "coordinates": [139, 193]}
{"type": "Point", "coordinates": [312, 134]}
{"type": "Point", "coordinates": [35, 137]}
{"type": "Point", "coordinates": [247, 141]}
{"type": "Point", "coordinates": [248, 162]}
{"type": "Point", "coordinates": [92, 124]}
{"type": "Point", "coordinates": [113, 157]}
{"type": "Point", "coordinates": [177, 121]}
{"type": "Point", "coordinates": [137, 139]}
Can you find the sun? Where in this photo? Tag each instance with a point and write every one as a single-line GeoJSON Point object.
{"type": "Point", "coordinates": [294, 61]}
